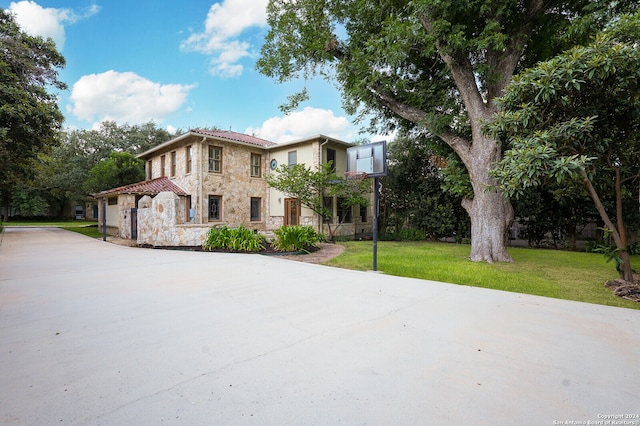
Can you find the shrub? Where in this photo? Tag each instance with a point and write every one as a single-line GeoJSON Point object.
{"type": "Point", "coordinates": [238, 239]}
{"type": "Point", "coordinates": [218, 238]}
{"type": "Point", "coordinates": [242, 239]}
{"type": "Point", "coordinates": [296, 238]}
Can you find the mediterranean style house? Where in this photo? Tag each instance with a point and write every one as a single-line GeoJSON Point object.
{"type": "Point", "coordinates": [218, 177]}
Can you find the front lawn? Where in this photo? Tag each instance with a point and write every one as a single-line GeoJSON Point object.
{"type": "Point", "coordinates": [51, 223]}
{"type": "Point", "coordinates": [550, 273]}
{"type": "Point", "coordinates": [88, 228]}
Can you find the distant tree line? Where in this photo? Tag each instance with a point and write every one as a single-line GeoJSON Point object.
{"type": "Point", "coordinates": [84, 162]}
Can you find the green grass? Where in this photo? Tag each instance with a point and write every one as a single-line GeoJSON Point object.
{"type": "Point", "coordinates": [53, 223]}
{"type": "Point", "coordinates": [550, 273]}
{"type": "Point", "coordinates": [90, 229]}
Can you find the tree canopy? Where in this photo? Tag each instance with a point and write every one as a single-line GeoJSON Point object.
{"type": "Point", "coordinates": [119, 169]}
{"type": "Point", "coordinates": [576, 118]}
{"type": "Point", "coordinates": [29, 113]}
{"type": "Point", "coordinates": [434, 65]}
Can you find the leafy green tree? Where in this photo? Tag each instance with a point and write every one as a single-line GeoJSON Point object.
{"type": "Point", "coordinates": [28, 202]}
{"type": "Point", "coordinates": [66, 169]}
{"type": "Point", "coordinates": [29, 114]}
{"type": "Point", "coordinates": [312, 186]}
{"type": "Point", "coordinates": [119, 169]}
{"type": "Point", "coordinates": [576, 118]}
{"type": "Point", "coordinates": [430, 64]}
{"type": "Point", "coordinates": [412, 192]}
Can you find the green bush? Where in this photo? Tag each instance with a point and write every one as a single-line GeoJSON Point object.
{"type": "Point", "coordinates": [238, 239]}
{"type": "Point", "coordinates": [218, 238]}
{"type": "Point", "coordinates": [242, 239]}
{"type": "Point", "coordinates": [296, 238]}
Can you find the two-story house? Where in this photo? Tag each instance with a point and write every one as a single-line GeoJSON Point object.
{"type": "Point", "coordinates": [219, 178]}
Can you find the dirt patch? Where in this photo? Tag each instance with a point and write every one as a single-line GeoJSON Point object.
{"type": "Point", "coordinates": [323, 253]}
{"type": "Point", "coordinates": [625, 289]}
{"type": "Point", "coordinates": [326, 252]}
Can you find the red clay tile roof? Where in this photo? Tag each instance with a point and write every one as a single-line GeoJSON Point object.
{"type": "Point", "coordinates": [147, 187]}
{"type": "Point", "coordinates": [233, 136]}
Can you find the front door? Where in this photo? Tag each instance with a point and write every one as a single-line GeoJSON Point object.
{"type": "Point", "coordinates": [291, 211]}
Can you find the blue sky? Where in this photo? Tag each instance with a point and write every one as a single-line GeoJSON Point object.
{"type": "Point", "coordinates": [182, 64]}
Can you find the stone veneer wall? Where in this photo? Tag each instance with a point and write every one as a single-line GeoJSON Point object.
{"type": "Point", "coordinates": [158, 224]}
{"type": "Point", "coordinates": [234, 183]}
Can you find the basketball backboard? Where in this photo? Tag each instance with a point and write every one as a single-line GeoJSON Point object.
{"type": "Point", "coordinates": [370, 159]}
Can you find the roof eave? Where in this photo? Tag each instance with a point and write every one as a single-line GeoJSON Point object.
{"type": "Point", "coordinates": [199, 135]}
{"type": "Point", "coordinates": [166, 144]}
{"type": "Point", "coordinates": [309, 139]}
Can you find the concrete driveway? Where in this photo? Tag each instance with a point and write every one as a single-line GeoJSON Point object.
{"type": "Point", "coordinates": [97, 334]}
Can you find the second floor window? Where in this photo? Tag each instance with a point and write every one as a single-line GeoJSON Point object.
{"type": "Point", "coordinates": [331, 157]}
{"type": "Point", "coordinates": [188, 154]}
{"type": "Point", "coordinates": [292, 158]}
{"type": "Point", "coordinates": [256, 160]}
{"type": "Point", "coordinates": [162, 166]}
{"type": "Point", "coordinates": [215, 159]}
{"type": "Point", "coordinates": [173, 163]}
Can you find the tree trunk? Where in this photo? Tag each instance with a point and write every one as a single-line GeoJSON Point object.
{"type": "Point", "coordinates": [620, 239]}
{"type": "Point", "coordinates": [490, 212]}
{"type": "Point", "coordinates": [491, 216]}
{"type": "Point", "coordinates": [626, 273]}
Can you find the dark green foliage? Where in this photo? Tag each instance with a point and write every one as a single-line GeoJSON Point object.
{"type": "Point", "coordinates": [575, 119]}
{"type": "Point", "coordinates": [413, 195]}
{"type": "Point", "coordinates": [119, 169]}
{"type": "Point", "coordinates": [29, 113]}
{"type": "Point", "coordinates": [405, 234]}
{"type": "Point", "coordinates": [296, 238]}
{"type": "Point", "coordinates": [28, 202]}
{"type": "Point", "coordinates": [238, 239]}
{"type": "Point", "coordinates": [559, 212]}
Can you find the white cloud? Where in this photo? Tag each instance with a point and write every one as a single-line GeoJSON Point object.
{"type": "Point", "coordinates": [47, 22]}
{"type": "Point", "coordinates": [301, 124]}
{"type": "Point", "coordinates": [224, 24]}
{"type": "Point", "coordinates": [125, 98]}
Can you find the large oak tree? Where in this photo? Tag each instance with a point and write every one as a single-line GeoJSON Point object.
{"type": "Point", "coordinates": [29, 114]}
{"type": "Point", "coordinates": [432, 64]}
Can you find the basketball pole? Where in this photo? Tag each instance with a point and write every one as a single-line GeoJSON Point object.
{"type": "Point", "coordinates": [376, 212]}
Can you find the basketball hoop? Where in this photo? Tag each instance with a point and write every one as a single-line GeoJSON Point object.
{"type": "Point", "coordinates": [355, 175]}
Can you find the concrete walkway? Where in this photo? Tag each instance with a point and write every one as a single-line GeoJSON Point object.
{"type": "Point", "coordinates": [97, 334]}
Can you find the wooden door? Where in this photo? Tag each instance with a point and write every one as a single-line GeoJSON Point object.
{"type": "Point", "coordinates": [291, 211]}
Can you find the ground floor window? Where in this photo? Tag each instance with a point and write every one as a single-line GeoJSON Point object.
{"type": "Point", "coordinates": [363, 214]}
{"type": "Point", "coordinates": [215, 207]}
{"type": "Point", "coordinates": [344, 212]}
{"type": "Point", "coordinates": [327, 203]}
{"type": "Point", "coordinates": [255, 208]}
